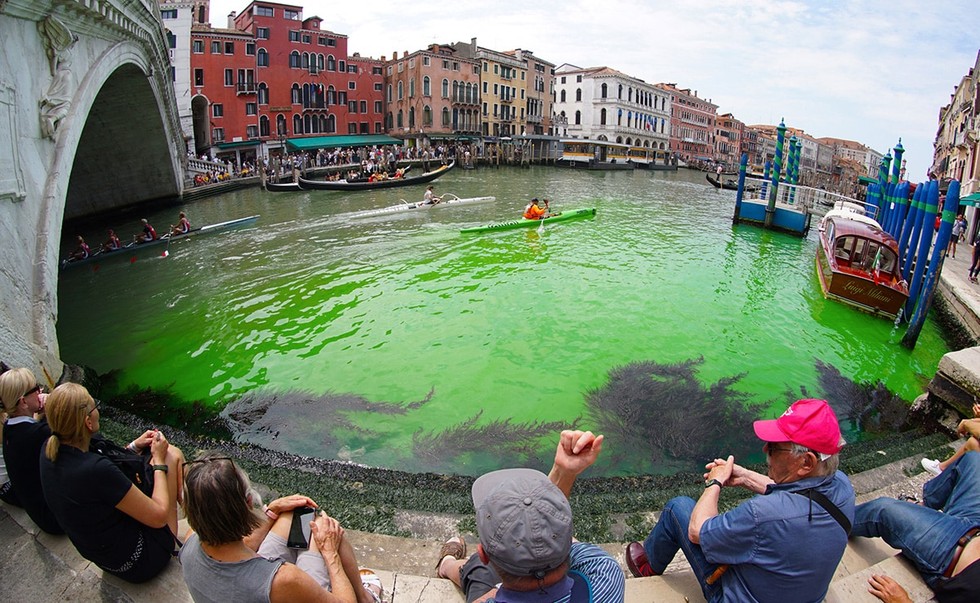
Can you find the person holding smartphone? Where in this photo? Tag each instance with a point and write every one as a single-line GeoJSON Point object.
{"type": "Point", "coordinates": [235, 552]}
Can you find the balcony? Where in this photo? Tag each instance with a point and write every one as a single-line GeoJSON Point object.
{"type": "Point", "coordinates": [534, 119]}
{"type": "Point", "coordinates": [246, 88]}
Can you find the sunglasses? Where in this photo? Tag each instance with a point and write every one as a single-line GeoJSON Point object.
{"type": "Point", "coordinates": [38, 388]}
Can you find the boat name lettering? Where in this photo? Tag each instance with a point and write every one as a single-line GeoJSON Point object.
{"type": "Point", "coordinates": [857, 288]}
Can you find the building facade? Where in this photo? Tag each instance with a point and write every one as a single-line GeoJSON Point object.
{"type": "Point", "coordinates": [692, 124]}
{"type": "Point", "coordinates": [540, 90]}
{"type": "Point", "coordinates": [271, 75]}
{"type": "Point", "coordinates": [432, 94]}
{"type": "Point", "coordinates": [956, 153]}
{"type": "Point", "coordinates": [600, 103]}
{"type": "Point", "coordinates": [728, 140]}
{"type": "Point", "coordinates": [177, 17]}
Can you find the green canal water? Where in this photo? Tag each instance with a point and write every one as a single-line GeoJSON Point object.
{"type": "Point", "coordinates": [398, 342]}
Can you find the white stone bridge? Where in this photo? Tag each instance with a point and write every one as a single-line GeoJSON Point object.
{"type": "Point", "coordinates": [88, 122]}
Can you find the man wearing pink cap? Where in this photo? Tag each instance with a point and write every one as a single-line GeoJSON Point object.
{"type": "Point", "coordinates": [782, 545]}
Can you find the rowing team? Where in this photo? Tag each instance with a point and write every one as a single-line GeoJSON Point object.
{"type": "Point", "coordinates": [83, 251]}
{"type": "Point", "coordinates": [537, 210]}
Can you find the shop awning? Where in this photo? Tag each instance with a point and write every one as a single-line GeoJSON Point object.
{"type": "Point", "coordinates": [971, 199]}
{"type": "Point", "coordinates": [867, 180]}
{"type": "Point", "coordinates": [224, 146]}
{"type": "Point", "coordinates": [330, 142]}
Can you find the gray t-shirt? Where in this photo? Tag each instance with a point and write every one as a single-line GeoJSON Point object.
{"type": "Point", "coordinates": [211, 581]}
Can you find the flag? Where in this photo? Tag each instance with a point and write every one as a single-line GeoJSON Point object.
{"type": "Point", "coordinates": [876, 267]}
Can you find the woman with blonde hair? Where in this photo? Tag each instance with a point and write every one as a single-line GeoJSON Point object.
{"type": "Point", "coordinates": [109, 520]}
{"type": "Point", "coordinates": [237, 553]}
{"type": "Point", "coordinates": [24, 434]}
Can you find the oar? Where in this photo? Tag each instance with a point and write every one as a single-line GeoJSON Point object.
{"type": "Point", "coordinates": [541, 227]}
{"type": "Point", "coordinates": [166, 251]}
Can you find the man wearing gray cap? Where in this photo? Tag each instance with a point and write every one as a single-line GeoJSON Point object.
{"type": "Point", "coordinates": [526, 552]}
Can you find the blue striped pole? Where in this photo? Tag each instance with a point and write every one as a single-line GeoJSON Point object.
{"type": "Point", "coordinates": [935, 265]}
{"type": "Point", "coordinates": [897, 165]}
{"type": "Point", "coordinates": [925, 241]}
{"type": "Point", "coordinates": [901, 208]}
{"type": "Point", "coordinates": [910, 232]}
{"type": "Point", "coordinates": [742, 167]}
{"type": "Point", "coordinates": [777, 167]}
{"type": "Point", "coordinates": [799, 161]}
{"type": "Point", "coordinates": [791, 167]}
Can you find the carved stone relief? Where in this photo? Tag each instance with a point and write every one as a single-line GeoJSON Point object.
{"type": "Point", "coordinates": [54, 105]}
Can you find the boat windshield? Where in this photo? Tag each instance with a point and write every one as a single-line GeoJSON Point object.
{"type": "Point", "coordinates": [866, 254]}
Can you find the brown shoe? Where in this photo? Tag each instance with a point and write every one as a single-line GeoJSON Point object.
{"type": "Point", "coordinates": [637, 562]}
{"type": "Point", "coordinates": [455, 547]}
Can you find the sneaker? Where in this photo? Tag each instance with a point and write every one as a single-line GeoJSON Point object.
{"type": "Point", "coordinates": [932, 466]}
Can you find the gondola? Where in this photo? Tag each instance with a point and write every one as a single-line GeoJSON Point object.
{"type": "Point", "coordinates": [343, 185]}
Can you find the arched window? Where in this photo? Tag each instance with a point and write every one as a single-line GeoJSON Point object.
{"type": "Point", "coordinates": [411, 89]}
{"type": "Point", "coordinates": [389, 121]}
{"type": "Point", "coordinates": [319, 62]}
{"type": "Point", "coordinates": [602, 116]}
{"type": "Point", "coordinates": [331, 96]}
{"type": "Point", "coordinates": [427, 116]}
{"type": "Point", "coordinates": [411, 117]}
{"type": "Point", "coordinates": [323, 124]}
{"type": "Point", "coordinates": [445, 117]}
{"type": "Point", "coordinates": [264, 125]}
{"type": "Point", "coordinates": [619, 95]}
{"type": "Point", "coordinates": [263, 94]}
{"type": "Point", "coordinates": [578, 95]}
{"type": "Point", "coordinates": [296, 95]}
{"type": "Point", "coordinates": [297, 124]}
{"type": "Point", "coordinates": [263, 58]}
{"type": "Point", "coordinates": [445, 89]}
{"type": "Point", "coordinates": [306, 60]}
{"type": "Point", "coordinates": [605, 88]}
{"type": "Point", "coordinates": [171, 39]}
{"type": "Point", "coordinates": [455, 91]}
{"type": "Point", "coordinates": [331, 124]}
{"type": "Point", "coordinates": [307, 126]}
{"type": "Point", "coordinates": [426, 86]}
{"type": "Point", "coordinates": [401, 90]}
{"type": "Point", "coordinates": [331, 63]}
{"type": "Point", "coordinates": [399, 120]}
{"type": "Point", "coordinates": [294, 60]}
{"type": "Point", "coordinates": [281, 124]}
{"type": "Point", "coordinates": [578, 118]}
{"type": "Point", "coordinates": [306, 96]}
{"type": "Point", "coordinates": [389, 94]}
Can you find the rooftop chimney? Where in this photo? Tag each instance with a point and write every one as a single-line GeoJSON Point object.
{"type": "Point", "coordinates": [231, 20]}
{"type": "Point", "coordinates": [473, 44]}
{"type": "Point", "coordinates": [394, 56]}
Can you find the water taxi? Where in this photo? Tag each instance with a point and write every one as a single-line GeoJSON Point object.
{"type": "Point", "coordinates": [594, 155]}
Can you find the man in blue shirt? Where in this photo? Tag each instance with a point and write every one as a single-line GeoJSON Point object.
{"type": "Point", "coordinates": [782, 545]}
{"type": "Point", "coordinates": [525, 527]}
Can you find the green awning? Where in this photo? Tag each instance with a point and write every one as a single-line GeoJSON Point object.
{"type": "Point", "coordinates": [329, 142]}
{"type": "Point", "coordinates": [971, 199]}
{"type": "Point", "coordinates": [867, 180]}
{"type": "Point", "coordinates": [224, 146]}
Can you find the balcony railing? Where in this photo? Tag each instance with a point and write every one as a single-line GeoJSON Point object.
{"type": "Point", "coordinates": [247, 87]}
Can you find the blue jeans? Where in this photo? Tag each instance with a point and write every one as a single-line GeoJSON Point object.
{"type": "Point", "coordinates": [669, 535]}
{"type": "Point", "coordinates": [926, 535]}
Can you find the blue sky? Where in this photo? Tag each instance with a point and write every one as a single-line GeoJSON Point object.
{"type": "Point", "coordinates": [869, 71]}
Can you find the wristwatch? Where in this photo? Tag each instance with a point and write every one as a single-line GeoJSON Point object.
{"type": "Point", "coordinates": [163, 468]}
{"type": "Point", "coordinates": [713, 482]}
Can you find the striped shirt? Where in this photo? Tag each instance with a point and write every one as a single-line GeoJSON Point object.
{"type": "Point", "coordinates": [603, 579]}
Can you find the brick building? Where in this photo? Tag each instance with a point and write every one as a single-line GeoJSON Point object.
{"type": "Point", "coordinates": [692, 124]}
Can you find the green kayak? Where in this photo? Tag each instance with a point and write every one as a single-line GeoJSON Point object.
{"type": "Point", "coordinates": [565, 215]}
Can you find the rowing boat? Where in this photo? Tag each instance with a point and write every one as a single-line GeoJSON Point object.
{"type": "Point", "coordinates": [133, 247]}
{"type": "Point", "coordinates": [343, 185]}
{"type": "Point", "coordinates": [406, 206]}
{"type": "Point", "coordinates": [561, 217]}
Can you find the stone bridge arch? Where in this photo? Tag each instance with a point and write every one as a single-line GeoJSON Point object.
{"type": "Point", "coordinates": [111, 138]}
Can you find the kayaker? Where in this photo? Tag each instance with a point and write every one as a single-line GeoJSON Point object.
{"type": "Point", "coordinates": [429, 197]}
{"type": "Point", "coordinates": [149, 234]}
{"type": "Point", "coordinates": [535, 211]}
{"type": "Point", "coordinates": [183, 226]}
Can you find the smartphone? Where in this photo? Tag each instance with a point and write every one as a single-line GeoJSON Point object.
{"type": "Point", "coordinates": [299, 529]}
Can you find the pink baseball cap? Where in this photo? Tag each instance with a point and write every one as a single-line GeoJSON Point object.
{"type": "Point", "coordinates": [810, 423]}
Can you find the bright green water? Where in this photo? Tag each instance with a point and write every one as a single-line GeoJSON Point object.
{"type": "Point", "coordinates": [516, 324]}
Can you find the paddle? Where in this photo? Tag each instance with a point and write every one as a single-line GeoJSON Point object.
{"type": "Point", "coordinates": [166, 251]}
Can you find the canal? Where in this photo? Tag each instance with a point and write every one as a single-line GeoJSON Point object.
{"type": "Point", "coordinates": [398, 342]}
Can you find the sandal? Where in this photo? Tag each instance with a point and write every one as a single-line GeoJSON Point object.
{"type": "Point", "coordinates": [455, 547]}
{"type": "Point", "coordinates": [372, 584]}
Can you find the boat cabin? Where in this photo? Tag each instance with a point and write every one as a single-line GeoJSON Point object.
{"type": "Point", "coordinates": [862, 247]}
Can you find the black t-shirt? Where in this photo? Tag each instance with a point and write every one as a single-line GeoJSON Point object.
{"type": "Point", "coordinates": [83, 489]}
{"type": "Point", "coordinates": [961, 588]}
{"type": "Point", "coordinates": [23, 443]}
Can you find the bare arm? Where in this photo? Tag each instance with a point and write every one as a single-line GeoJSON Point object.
{"type": "Point", "coordinates": [278, 507]}
{"type": "Point", "coordinates": [707, 505]}
{"type": "Point", "coordinates": [741, 477]}
{"type": "Point", "coordinates": [577, 450]}
{"type": "Point", "coordinates": [152, 511]}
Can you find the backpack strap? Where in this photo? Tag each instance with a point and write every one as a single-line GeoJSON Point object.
{"type": "Point", "coordinates": [816, 496]}
{"type": "Point", "coordinates": [581, 587]}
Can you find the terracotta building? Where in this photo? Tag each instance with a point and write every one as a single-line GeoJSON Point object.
{"type": "Point", "coordinates": [272, 75]}
{"type": "Point", "coordinates": [692, 124]}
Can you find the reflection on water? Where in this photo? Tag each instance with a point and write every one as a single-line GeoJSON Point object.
{"type": "Point", "coordinates": [323, 329]}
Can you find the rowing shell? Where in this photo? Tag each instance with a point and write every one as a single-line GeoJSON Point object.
{"type": "Point", "coordinates": [406, 206]}
{"type": "Point", "coordinates": [131, 247]}
{"type": "Point", "coordinates": [565, 215]}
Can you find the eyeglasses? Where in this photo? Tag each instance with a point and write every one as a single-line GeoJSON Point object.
{"type": "Point", "coordinates": [38, 388]}
{"type": "Point", "coordinates": [771, 450]}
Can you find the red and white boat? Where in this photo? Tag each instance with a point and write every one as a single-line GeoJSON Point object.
{"type": "Point", "coordinates": [858, 262]}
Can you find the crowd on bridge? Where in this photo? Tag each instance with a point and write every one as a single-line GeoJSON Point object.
{"type": "Point", "coordinates": [119, 507]}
